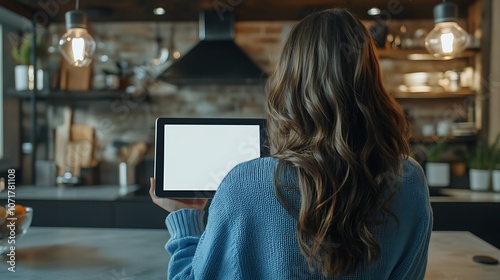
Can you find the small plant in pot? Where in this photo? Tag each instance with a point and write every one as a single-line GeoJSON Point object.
{"type": "Point", "coordinates": [495, 164]}
{"type": "Point", "coordinates": [479, 162]}
{"type": "Point", "coordinates": [437, 171]}
{"type": "Point", "coordinates": [24, 71]}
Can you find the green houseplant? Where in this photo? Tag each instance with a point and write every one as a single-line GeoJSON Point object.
{"type": "Point", "coordinates": [479, 162]}
{"type": "Point", "coordinates": [437, 171]}
{"type": "Point", "coordinates": [24, 71]}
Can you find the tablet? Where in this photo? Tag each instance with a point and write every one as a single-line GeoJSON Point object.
{"type": "Point", "coordinates": [192, 156]}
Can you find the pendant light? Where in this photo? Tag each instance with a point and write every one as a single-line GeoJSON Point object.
{"type": "Point", "coordinates": [447, 39]}
{"type": "Point", "coordinates": [76, 45]}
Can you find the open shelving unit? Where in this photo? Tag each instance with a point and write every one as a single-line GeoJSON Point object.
{"type": "Point", "coordinates": [62, 95]}
{"type": "Point", "coordinates": [445, 95]}
{"type": "Point", "coordinates": [420, 54]}
{"type": "Point", "coordinates": [398, 62]}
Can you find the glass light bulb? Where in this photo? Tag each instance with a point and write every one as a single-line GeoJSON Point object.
{"type": "Point", "coordinates": [446, 40]}
{"type": "Point", "coordinates": [77, 47]}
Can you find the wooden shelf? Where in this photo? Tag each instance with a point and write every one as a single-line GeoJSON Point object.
{"type": "Point", "coordinates": [446, 95]}
{"type": "Point", "coordinates": [419, 54]}
{"type": "Point", "coordinates": [69, 96]}
{"type": "Point", "coordinates": [450, 139]}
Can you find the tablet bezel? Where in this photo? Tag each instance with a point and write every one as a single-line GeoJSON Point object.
{"type": "Point", "coordinates": [160, 150]}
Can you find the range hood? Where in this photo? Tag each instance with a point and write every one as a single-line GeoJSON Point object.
{"type": "Point", "coordinates": [216, 59]}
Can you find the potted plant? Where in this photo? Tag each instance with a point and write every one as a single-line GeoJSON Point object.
{"type": "Point", "coordinates": [437, 171]}
{"type": "Point", "coordinates": [495, 164]}
{"type": "Point", "coordinates": [24, 73]}
{"type": "Point", "coordinates": [479, 162]}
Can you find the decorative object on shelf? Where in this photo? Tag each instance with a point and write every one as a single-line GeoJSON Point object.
{"type": "Point", "coordinates": [437, 171]}
{"type": "Point", "coordinates": [74, 78]}
{"type": "Point", "coordinates": [161, 52]}
{"type": "Point", "coordinates": [479, 163]}
{"type": "Point", "coordinates": [379, 31]}
{"type": "Point", "coordinates": [447, 39]}
{"type": "Point", "coordinates": [23, 72]}
{"type": "Point", "coordinates": [76, 45]}
{"type": "Point", "coordinates": [495, 174]}
{"type": "Point", "coordinates": [495, 165]}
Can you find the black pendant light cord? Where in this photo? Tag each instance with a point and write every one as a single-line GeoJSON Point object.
{"type": "Point", "coordinates": [77, 4]}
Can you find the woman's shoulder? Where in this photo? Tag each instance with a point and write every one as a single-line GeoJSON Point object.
{"type": "Point", "coordinates": [263, 164]}
{"type": "Point", "coordinates": [258, 169]}
{"type": "Point", "coordinates": [412, 167]}
{"type": "Point", "coordinates": [246, 179]}
{"type": "Point", "coordinates": [413, 177]}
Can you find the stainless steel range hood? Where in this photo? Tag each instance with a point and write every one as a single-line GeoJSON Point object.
{"type": "Point", "coordinates": [216, 59]}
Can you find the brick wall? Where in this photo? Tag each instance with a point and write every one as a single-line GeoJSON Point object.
{"type": "Point", "coordinates": [135, 42]}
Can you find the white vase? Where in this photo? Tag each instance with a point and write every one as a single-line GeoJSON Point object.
{"type": "Point", "coordinates": [496, 180]}
{"type": "Point", "coordinates": [479, 179]}
{"type": "Point", "coordinates": [24, 77]}
{"type": "Point", "coordinates": [438, 174]}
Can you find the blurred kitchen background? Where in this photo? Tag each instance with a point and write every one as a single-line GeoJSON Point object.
{"type": "Point", "coordinates": [119, 96]}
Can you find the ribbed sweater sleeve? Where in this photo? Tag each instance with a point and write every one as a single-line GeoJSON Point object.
{"type": "Point", "coordinates": [202, 254]}
{"type": "Point", "coordinates": [185, 227]}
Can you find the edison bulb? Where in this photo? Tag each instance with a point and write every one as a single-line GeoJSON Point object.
{"type": "Point", "coordinates": [77, 47]}
{"type": "Point", "coordinates": [446, 40]}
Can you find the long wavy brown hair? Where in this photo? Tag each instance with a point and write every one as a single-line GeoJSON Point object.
{"type": "Point", "coordinates": [331, 119]}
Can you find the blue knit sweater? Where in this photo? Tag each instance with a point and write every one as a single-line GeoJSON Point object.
{"type": "Point", "coordinates": [249, 235]}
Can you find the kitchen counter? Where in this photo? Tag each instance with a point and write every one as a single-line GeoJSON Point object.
{"type": "Point", "coordinates": [114, 192]}
{"type": "Point", "coordinates": [464, 195]}
{"type": "Point", "coordinates": [92, 253]}
{"type": "Point", "coordinates": [89, 253]}
{"type": "Point", "coordinates": [101, 192]}
{"type": "Point", "coordinates": [108, 207]}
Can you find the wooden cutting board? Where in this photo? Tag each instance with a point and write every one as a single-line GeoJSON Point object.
{"type": "Point", "coordinates": [74, 146]}
{"type": "Point", "coordinates": [85, 133]}
{"type": "Point", "coordinates": [62, 137]}
{"type": "Point", "coordinates": [78, 155]}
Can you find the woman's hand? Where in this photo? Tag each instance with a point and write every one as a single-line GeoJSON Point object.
{"type": "Point", "coordinates": [172, 205]}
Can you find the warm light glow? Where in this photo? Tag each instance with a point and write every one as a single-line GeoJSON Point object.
{"type": "Point", "coordinates": [77, 47]}
{"type": "Point", "coordinates": [447, 42]}
{"type": "Point", "coordinates": [374, 11]}
{"type": "Point", "coordinates": [176, 54]}
{"type": "Point", "coordinates": [159, 11]}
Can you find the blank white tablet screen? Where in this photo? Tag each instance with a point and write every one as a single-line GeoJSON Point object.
{"type": "Point", "coordinates": [198, 157]}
